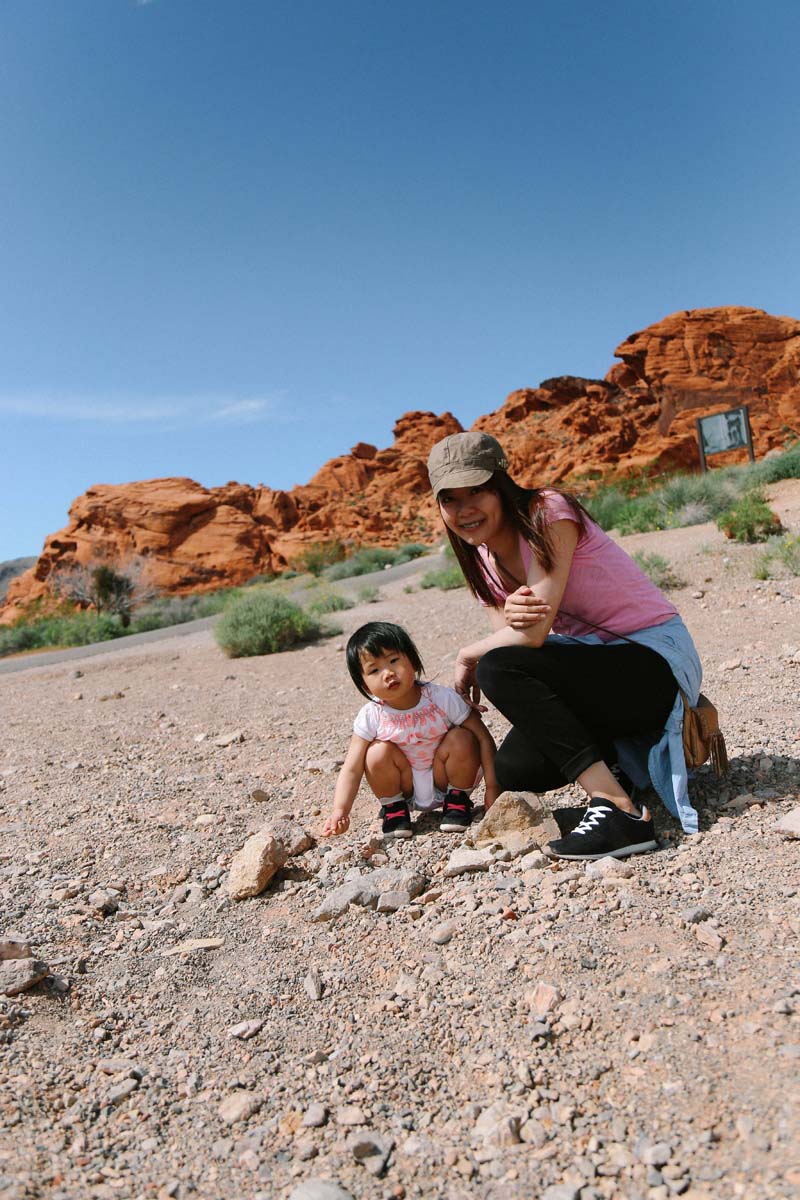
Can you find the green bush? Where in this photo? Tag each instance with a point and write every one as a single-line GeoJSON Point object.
{"type": "Point", "coordinates": [446, 579]}
{"type": "Point", "coordinates": [657, 569]}
{"type": "Point", "coordinates": [73, 629]}
{"type": "Point", "coordinates": [258, 623]}
{"type": "Point", "coordinates": [368, 594]}
{"type": "Point", "coordinates": [780, 556]}
{"type": "Point", "coordinates": [329, 602]}
{"type": "Point", "coordinates": [318, 555]}
{"type": "Point", "coordinates": [374, 558]}
{"type": "Point", "coordinates": [750, 519]}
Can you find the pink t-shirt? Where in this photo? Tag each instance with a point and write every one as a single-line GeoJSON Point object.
{"type": "Point", "coordinates": [605, 586]}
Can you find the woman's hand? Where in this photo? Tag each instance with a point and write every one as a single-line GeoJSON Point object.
{"type": "Point", "coordinates": [523, 608]}
{"type": "Point", "coordinates": [465, 683]}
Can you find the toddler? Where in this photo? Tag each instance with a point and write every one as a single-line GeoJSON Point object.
{"type": "Point", "coordinates": [416, 742]}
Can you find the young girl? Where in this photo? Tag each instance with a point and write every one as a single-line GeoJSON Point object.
{"type": "Point", "coordinates": [414, 741]}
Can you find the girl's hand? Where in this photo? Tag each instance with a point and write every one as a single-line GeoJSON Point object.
{"type": "Point", "coordinates": [523, 608]}
{"type": "Point", "coordinates": [465, 683]}
{"type": "Point", "coordinates": [337, 822]}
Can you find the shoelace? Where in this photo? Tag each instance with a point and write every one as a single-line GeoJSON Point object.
{"type": "Point", "coordinates": [592, 819]}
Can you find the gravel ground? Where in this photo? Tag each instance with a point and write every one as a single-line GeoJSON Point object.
{"type": "Point", "coordinates": [522, 1031]}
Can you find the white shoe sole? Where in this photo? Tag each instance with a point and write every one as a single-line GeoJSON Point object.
{"type": "Point", "coordinates": [400, 833]}
{"type": "Point", "coordinates": [623, 852]}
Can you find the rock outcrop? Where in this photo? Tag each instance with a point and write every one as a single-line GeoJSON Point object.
{"type": "Point", "coordinates": [568, 430]}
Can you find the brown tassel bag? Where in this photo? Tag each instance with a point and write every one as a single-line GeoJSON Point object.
{"type": "Point", "coordinates": [702, 736]}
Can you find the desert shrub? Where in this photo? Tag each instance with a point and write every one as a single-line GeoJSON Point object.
{"type": "Point", "coordinates": [607, 506]}
{"type": "Point", "coordinates": [329, 602]}
{"type": "Point", "coordinates": [368, 594]}
{"type": "Point", "coordinates": [107, 588]}
{"type": "Point", "coordinates": [259, 623]}
{"type": "Point", "coordinates": [59, 630]}
{"type": "Point", "coordinates": [447, 578]}
{"type": "Point", "coordinates": [780, 557]}
{"type": "Point", "coordinates": [318, 555]}
{"type": "Point", "coordinates": [363, 562]}
{"type": "Point", "coordinates": [409, 550]}
{"type": "Point", "coordinates": [657, 569]}
{"type": "Point", "coordinates": [750, 519]}
{"type": "Point", "coordinates": [781, 466]}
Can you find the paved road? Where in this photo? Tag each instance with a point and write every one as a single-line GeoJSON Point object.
{"type": "Point", "coordinates": [349, 587]}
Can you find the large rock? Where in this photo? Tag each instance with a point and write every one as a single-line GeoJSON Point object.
{"type": "Point", "coordinates": [517, 821]}
{"type": "Point", "coordinates": [640, 416]}
{"type": "Point", "coordinates": [12, 945]}
{"type": "Point", "coordinates": [263, 854]}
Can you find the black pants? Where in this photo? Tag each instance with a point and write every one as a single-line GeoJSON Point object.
{"type": "Point", "coordinates": [567, 704]}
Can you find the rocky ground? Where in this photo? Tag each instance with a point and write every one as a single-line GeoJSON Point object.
{"type": "Point", "coordinates": [523, 1030]}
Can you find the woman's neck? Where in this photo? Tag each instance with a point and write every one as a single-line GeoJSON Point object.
{"type": "Point", "coordinates": [505, 543]}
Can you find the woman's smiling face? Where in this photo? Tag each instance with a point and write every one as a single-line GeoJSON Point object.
{"type": "Point", "coordinates": [475, 514]}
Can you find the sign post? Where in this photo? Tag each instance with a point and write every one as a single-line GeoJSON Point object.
{"type": "Point", "coordinates": [729, 430]}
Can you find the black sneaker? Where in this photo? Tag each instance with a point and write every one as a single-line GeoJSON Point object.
{"type": "Point", "coordinates": [568, 818]}
{"type": "Point", "coordinates": [457, 812]}
{"type": "Point", "coordinates": [396, 820]}
{"type": "Point", "coordinates": [605, 832]}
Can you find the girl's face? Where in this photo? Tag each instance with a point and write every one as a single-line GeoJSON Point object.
{"type": "Point", "coordinates": [390, 676]}
{"type": "Point", "coordinates": [475, 514]}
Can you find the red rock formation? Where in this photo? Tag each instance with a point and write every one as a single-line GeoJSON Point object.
{"type": "Point", "coordinates": [568, 430]}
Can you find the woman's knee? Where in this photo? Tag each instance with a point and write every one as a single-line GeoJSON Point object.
{"type": "Point", "coordinates": [499, 666]}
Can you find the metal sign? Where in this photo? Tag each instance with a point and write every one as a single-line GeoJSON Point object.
{"type": "Point", "coordinates": [729, 430]}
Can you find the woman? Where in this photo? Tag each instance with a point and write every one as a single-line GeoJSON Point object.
{"type": "Point", "coordinates": [586, 656]}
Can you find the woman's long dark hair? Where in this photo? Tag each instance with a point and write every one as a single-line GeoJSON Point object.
{"type": "Point", "coordinates": [524, 509]}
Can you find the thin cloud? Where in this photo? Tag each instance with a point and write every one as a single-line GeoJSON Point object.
{"type": "Point", "coordinates": [132, 411]}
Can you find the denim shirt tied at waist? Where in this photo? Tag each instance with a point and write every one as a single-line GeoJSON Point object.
{"type": "Point", "coordinates": [658, 758]}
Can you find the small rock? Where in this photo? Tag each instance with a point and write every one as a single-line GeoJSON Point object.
{"type": "Point", "coordinates": [260, 796]}
{"type": "Point", "coordinates": [313, 984]}
{"type": "Point", "coordinates": [544, 999]}
{"type": "Point", "coordinates": [789, 824]}
{"type": "Point", "coordinates": [19, 974]}
{"type": "Point", "coordinates": [389, 902]}
{"type": "Point", "coordinates": [561, 1191]}
{"type": "Point", "coordinates": [316, 1116]}
{"type": "Point", "coordinates": [324, 766]}
{"type": "Point", "coordinates": [707, 935]}
{"type": "Point", "coordinates": [121, 1091]}
{"type": "Point", "coordinates": [118, 1066]}
{"type": "Point", "coordinates": [464, 861]}
{"type": "Point", "coordinates": [600, 868]}
{"type": "Point", "coordinates": [192, 944]}
{"type": "Point", "coordinates": [535, 861]}
{"type": "Point", "coordinates": [239, 1106]}
{"type": "Point", "coordinates": [319, 1189]}
{"type": "Point", "coordinates": [732, 664]}
{"type": "Point", "coordinates": [350, 1114]}
{"type": "Point", "coordinates": [656, 1154]}
{"type": "Point", "coordinates": [245, 1029]}
{"type": "Point", "coordinates": [443, 933]}
{"type": "Point", "coordinates": [695, 914]}
{"type": "Point", "coordinates": [497, 1126]}
{"type": "Point", "coordinates": [13, 946]}
{"type": "Point", "coordinates": [229, 739]}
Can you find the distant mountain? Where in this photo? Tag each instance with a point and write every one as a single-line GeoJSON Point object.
{"type": "Point", "coordinates": [568, 430]}
{"type": "Point", "coordinates": [11, 569]}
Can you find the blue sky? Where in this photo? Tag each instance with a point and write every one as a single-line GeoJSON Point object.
{"type": "Point", "coordinates": [237, 236]}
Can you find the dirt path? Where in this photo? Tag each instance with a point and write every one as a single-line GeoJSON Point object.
{"type": "Point", "coordinates": [411, 1041]}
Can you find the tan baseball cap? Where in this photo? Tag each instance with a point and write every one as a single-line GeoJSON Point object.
{"type": "Point", "coordinates": [464, 460]}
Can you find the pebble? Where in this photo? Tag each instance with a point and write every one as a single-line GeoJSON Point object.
{"type": "Point", "coordinates": [316, 1116]}
{"type": "Point", "coordinates": [192, 944]}
{"type": "Point", "coordinates": [245, 1030]}
{"type": "Point", "coordinates": [464, 861]}
{"type": "Point", "coordinates": [789, 824]}
{"type": "Point", "coordinates": [313, 984]}
{"type": "Point", "coordinates": [319, 1189]}
{"type": "Point", "coordinates": [444, 933]}
{"type": "Point", "coordinates": [239, 1106]}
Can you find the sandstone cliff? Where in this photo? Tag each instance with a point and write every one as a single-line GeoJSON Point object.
{"type": "Point", "coordinates": [573, 430]}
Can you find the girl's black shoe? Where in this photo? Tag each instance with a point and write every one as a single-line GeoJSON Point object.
{"type": "Point", "coordinates": [396, 820]}
{"type": "Point", "coordinates": [457, 812]}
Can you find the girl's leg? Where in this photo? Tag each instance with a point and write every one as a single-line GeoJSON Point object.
{"type": "Point", "coordinates": [567, 703]}
{"type": "Point", "coordinates": [388, 772]}
{"type": "Point", "coordinates": [456, 760]}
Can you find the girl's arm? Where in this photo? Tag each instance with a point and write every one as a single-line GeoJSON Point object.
{"type": "Point", "coordinates": [347, 786]}
{"type": "Point", "coordinates": [548, 587]}
{"type": "Point", "coordinates": [487, 751]}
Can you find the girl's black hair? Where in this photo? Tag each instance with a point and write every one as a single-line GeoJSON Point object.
{"type": "Point", "coordinates": [525, 511]}
{"type": "Point", "coordinates": [374, 638]}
